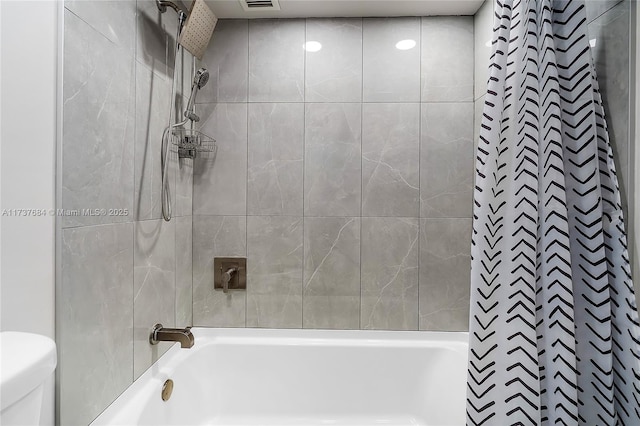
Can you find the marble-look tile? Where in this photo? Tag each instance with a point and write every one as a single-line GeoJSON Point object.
{"type": "Point", "coordinates": [217, 236]}
{"type": "Point", "coordinates": [482, 35]}
{"type": "Point", "coordinates": [390, 74]}
{"type": "Point", "coordinates": [183, 202]}
{"type": "Point", "coordinates": [185, 84]}
{"type": "Point", "coordinates": [611, 57]}
{"type": "Point", "coordinates": [334, 73]}
{"type": "Point", "coordinates": [447, 59]}
{"type": "Point", "coordinates": [153, 97]}
{"type": "Point", "coordinates": [95, 314]}
{"type": "Point", "coordinates": [332, 175]}
{"type": "Point", "coordinates": [596, 8]}
{"type": "Point", "coordinates": [155, 40]}
{"type": "Point", "coordinates": [227, 60]}
{"type": "Point", "coordinates": [276, 60]}
{"type": "Point", "coordinates": [274, 271]}
{"type": "Point", "coordinates": [275, 171]}
{"type": "Point", "coordinates": [184, 271]}
{"type": "Point", "coordinates": [115, 20]}
{"type": "Point", "coordinates": [98, 125]}
{"type": "Point", "coordinates": [331, 296]}
{"type": "Point", "coordinates": [478, 110]}
{"type": "Point", "coordinates": [389, 273]}
{"type": "Point", "coordinates": [184, 61]}
{"type": "Point", "coordinates": [154, 288]}
{"type": "Point", "coordinates": [391, 160]}
{"type": "Point", "coordinates": [220, 183]}
{"type": "Point", "coordinates": [445, 273]}
{"type": "Point", "coordinates": [446, 160]}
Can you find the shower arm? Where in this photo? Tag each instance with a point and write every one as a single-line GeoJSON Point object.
{"type": "Point", "coordinates": [162, 7]}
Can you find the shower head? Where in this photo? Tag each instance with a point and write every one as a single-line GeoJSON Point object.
{"type": "Point", "coordinates": [198, 29]}
{"type": "Point", "coordinates": [199, 80]}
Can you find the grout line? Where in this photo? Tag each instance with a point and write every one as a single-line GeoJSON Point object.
{"type": "Point", "coordinates": [467, 101]}
{"type": "Point", "coordinates": [617, 3]}
{"type": "Point", "coordinates": [361, 177]}
{"type": "Point", "coordinates": [133, 300]}
{"type": "Point", "coordinates": [315, 216]}
{"type": "Point", "coordinates": [246, 195]}
{"type": "Point", "coordinates": [296, 216]}
{"type": "Point", "coordinates": [420, 175]}
{"type": "Point", "coordinates": [178, 60]}
{"type": "Point", "coordinates": [304, 140]}
{"type": "Point", "coordinates": [175, 273]}
{"type": "Point", "coordinates": [191, 269]}
{"type": "Point", "coordinates": [258, 215]}
{"type": "Point", "coordinates": [101, 33]}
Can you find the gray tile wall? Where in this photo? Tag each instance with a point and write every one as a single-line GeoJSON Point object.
{"type": "Point", "coordinates": [344, 175]}
{"type": "Point", "coordinates": [120, 274]}
{"type": "Point", "coordinates": [482, 36]}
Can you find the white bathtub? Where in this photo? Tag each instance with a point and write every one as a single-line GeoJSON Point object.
{"type": "Point", "coordinates": [302, 377]}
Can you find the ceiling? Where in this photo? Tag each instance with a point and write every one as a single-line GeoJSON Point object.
{"type": "Point", "coordinates": [347, 8]}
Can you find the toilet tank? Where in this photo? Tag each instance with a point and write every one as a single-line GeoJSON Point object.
{"type": "Point", "coordinates": [27, 361]}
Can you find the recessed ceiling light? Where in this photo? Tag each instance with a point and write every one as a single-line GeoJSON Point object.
{"type": "Point", "coordinates": [405, 44]}
{"type": "Point", "coordinates": [592, 42]}
{"type": "Point", "coordinates": [488, 43]}
{"type": "Point", "coordinates": [312, 46]}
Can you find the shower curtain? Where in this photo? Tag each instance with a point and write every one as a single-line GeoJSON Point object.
{"type": "Point", "coordinates": [554, 332]}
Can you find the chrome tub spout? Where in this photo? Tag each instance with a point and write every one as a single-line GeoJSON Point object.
{"type": "Point", "coordinates": [163, 334]}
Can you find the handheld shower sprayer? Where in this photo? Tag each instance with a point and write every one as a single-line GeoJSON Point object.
{"type": "Point", "coordinates": [199, 81]}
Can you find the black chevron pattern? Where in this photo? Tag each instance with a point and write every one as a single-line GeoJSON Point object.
{"type": "Point", "coordinates": [554, 329]}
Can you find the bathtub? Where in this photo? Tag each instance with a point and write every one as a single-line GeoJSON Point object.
{"type": "Point", "coordinates": [302, 377]}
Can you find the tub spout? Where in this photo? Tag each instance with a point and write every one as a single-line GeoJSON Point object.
{"type": "Point", "coordinates": [163, 334]}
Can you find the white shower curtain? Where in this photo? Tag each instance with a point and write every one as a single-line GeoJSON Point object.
{"type": "Point", "coordinates": [554, 332]}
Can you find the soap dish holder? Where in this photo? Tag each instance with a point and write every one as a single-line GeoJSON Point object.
{"type": "Point", "coordinates": [193, 143]}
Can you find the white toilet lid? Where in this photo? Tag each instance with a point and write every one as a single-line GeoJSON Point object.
{"type": "Point", "coordinates": [27, 360]}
